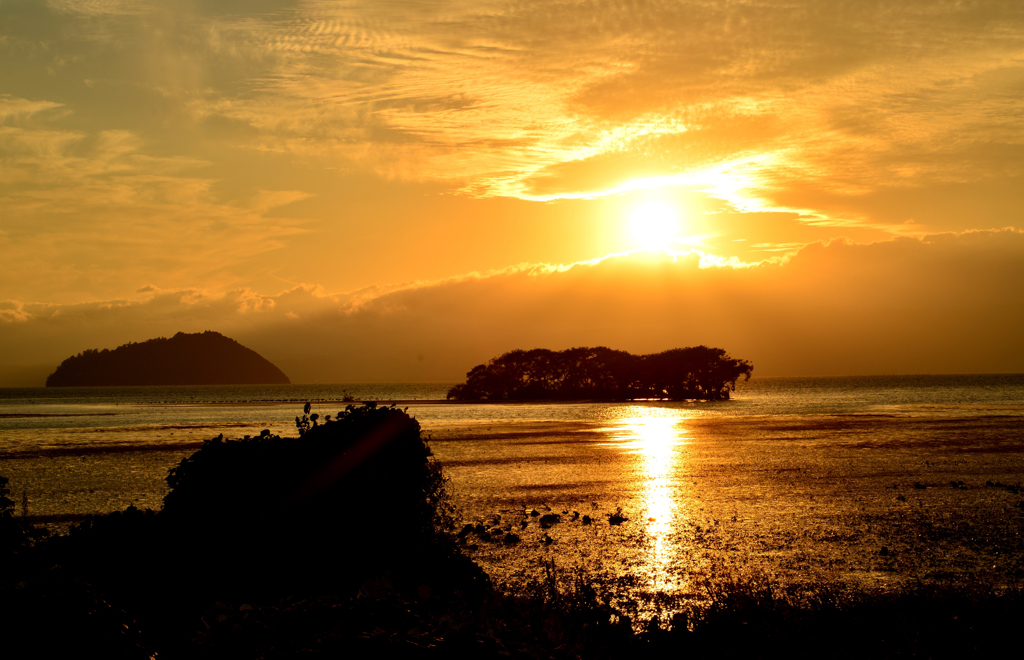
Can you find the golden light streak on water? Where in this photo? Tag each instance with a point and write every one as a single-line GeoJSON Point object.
{"type": "Point", "coordinates": [657, 437]}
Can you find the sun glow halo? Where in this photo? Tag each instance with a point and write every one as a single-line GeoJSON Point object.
{"type": "Point", "coordinates": [654, 225]}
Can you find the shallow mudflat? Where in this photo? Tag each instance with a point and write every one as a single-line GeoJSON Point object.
{"type": "Point", "coordinates": [868, 482]}
{"type": "Point", "coordinates": [861, 499]}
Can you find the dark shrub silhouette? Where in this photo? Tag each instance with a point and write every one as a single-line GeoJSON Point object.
{"type": "Point", "coordinates": [368, 469]}
{"type": "Point", "coordinates": [349, 498]}
{"type": "Point", "coordinates": [355, 499]}
{"type": "Point", "coordinates": [601, 373]}
{"type": "Point", "coordinates": [207, 358]}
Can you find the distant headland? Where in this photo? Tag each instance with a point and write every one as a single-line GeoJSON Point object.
{"type": "Point", "coordinates": [600, 373]}
{"type": "Point", "coordinates": [207, 358]}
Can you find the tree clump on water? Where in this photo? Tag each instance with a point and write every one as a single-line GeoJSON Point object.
{"type": "Point", "coordinates": [698, 372]}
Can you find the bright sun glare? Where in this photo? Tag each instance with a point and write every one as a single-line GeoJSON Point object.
{"type": "Point", "coordinates": [654, 226]}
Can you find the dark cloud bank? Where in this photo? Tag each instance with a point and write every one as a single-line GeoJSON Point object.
{"type": "Point", "coordinates": [950, 303]}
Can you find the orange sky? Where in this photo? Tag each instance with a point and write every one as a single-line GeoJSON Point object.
{"type": "Point", "coordinates": [841, 181]}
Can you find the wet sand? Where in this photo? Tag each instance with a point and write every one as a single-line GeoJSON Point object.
{"type": "Point", "coordinates": [864, 500]}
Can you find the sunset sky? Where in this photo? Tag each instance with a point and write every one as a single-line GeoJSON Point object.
{"type": "Point", "coordinates": [401, 189]}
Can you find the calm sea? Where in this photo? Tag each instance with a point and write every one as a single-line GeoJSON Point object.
{"type": "Point", "coordinates": [860, 479]}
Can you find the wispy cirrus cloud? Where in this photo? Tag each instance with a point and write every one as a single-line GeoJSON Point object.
{"type": "Point", "coordinates": [824, 107]}
{"type": "Point", "coordinates": [79, 208]}
{"type": "Point", "coordinates": [224, 144]}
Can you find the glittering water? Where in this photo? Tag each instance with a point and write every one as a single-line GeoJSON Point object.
{"type": "Point", "coordinates": [865, 480]}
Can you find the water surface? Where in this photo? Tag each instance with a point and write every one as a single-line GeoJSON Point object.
{"type": "Point", "coordinates": [863, 480]}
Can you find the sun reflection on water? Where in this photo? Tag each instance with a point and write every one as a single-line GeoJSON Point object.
{"type": "Point", "coordinates": [658, 437]}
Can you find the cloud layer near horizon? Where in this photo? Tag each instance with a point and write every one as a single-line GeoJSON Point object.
{"type": "Point", "coordinates": [950, 303]}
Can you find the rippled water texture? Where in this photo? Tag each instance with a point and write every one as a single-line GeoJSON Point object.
{"type": "Point", "coordinates": [852, 498]}
{"type": "Point", "coordinates": [857, 480]}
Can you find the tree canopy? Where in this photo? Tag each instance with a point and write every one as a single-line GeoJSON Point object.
{"type": "Point", "coordinates": [697, 372]}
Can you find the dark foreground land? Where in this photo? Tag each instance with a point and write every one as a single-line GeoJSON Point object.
{"type": "Point", "coordinates": [240, 564]}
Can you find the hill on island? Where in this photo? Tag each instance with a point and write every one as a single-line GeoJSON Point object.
{"type": "Point", "coordinates": [600, 373]}
{"type": "Point", "coordinates": [207, 358]}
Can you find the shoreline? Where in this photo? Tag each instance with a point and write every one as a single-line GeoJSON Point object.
{"type": "Point", "coordinates": [803, 494]}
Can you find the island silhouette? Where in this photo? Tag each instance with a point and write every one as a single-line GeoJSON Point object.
{"type": "Point", "coordinates": [696, 372]}
{"type": "Point", "coordinates": [207, 358]}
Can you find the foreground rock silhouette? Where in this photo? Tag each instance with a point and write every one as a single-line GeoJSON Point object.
{"type": "Point", "coordinates": [207, 358]}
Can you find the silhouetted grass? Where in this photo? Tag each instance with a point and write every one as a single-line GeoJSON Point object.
{"type": "Point", "coordinates": [563, 617]}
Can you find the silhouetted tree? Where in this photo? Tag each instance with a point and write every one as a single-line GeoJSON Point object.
{"type": "Point", "coordinates": [602, 373]}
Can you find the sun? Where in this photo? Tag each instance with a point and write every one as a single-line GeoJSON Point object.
{"type": "Point", "coordinates": [654, 225]}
